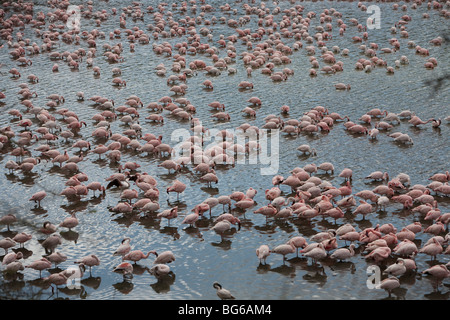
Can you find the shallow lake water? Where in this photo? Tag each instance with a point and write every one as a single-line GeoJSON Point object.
{"type": "Point", "coordinates": [202, 256]}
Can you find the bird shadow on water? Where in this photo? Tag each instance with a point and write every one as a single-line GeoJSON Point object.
{"type": "Point", "coordinates": [25, 252]}
{"type": "Point", "coordinates": [284, 269]}
{"type": "Point", "coordinates": [193, 232]}
{"type": "Point", "coordinates": [224, 244]}
{"type": "Point", "coordinates": [38, 210]}
{"type": "Point", "coordinates": [13, 281]}
{"type": "Point", "coordinates": [263, 268]}
{"type": "Point", "coordinates": [70, 235]}
{"type": "Point", "coordinates": [343, 266]}
{"type": "Point", "coordinates": [163, 283]}
{"type": "Point", "coordinates": [75, 291]}
{"type": "Point", "coordinates": [266, 228]}
{"type": "Point", "coordinates": [8, 233]}
{"type": "Point", "coordinates": [170, 231]}
{"type": "Point", "coordinates": [316, 274]}
{"type": "Point", "coordinates": [437, 295]}
{"type": "Point", "coordinates": [210, 190]}
{"type": "Point", "coordinates": [303, 156]}
{"type": "Point", "coordinates": [124, 287]}
{"type": "Point", "coordinates": [181, 204]}
{"type": "Point", "coordinates": [399, 294]}
{"type": "Point", "coordinates": [125, 219]}
{"type": "Point", "coordinates": [28, 178]}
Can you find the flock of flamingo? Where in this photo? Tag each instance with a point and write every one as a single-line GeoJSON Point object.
{"type": "Point", "coordinates": [50, 135]}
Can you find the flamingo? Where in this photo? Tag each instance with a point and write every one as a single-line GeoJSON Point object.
{"type": "Point", "coordinates": [57, 258]}
{"type": "Point", "coordinates": [316, 253]}
{"type": "Point", "coordinates": [191, 218]}
{"type": "Point", "coordinates": [90, 261]}
{"type": "Point", "coordinates": [57, 279]}
{"type": "Point", "coordinates": [432, 249]}
{"type": "Point", "coordinates": [168, 214]}
{"type": "Point", "coordinates": [69, 222]}
{"type": "Point", "coordinates": [125, 268]}
{"type": "Point", "coordinates": [262, 253]}
{"type": "Point", "coordinates": [12, 257]}
{"type": "Point", "coordinates": [137, 255]}
{"type": "Point", "coordinates": [177, 187]}
{"type": "Point", "coordinates": [8, 220]}
{"type": "Point", "coordinates": [396, 269]}
{"type": "Point", "coordinates": [416, 121]}
{"type": "Point", "coordinates": [164, 257]}
{"type": "Point", "coordinates": [222, 293]}
{"type": "Point", "coordinates": [124, 247]}
{"type": "Point", "coordinates": [159, 270]}
{"type": "Point", "coordinates": [38, 197]}
{"type": "Point", "coordinates": [298, 242]}
{"type": "Point", "coordinates": [284, 249]}
{"type": "Point", "coordinates": [22, 238]}
{"type": "Point", "coordinates": [40, 265]}
{"type": "Point", "coordinates": [344, 253]}
{"type": "Point", "coordinates": [389, 284]}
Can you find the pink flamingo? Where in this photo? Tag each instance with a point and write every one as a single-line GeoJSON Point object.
{"type": "Point", "coordinates": [262, 253]}
{"type": "Point", "coordinates": [7, 243]}
{"type": "Point", "coordinates": [334, 213]}
{"type": "Point", "coordinates": [284, 249]}
{"type": "Point", "coordinates": [170, 165]}
{"type": "Point", "coordinates": [96, 186]}
{"type": "Point", "coordinates": [346, 190]}
{"type": "Point", "coordinates": [177, 187]}
{"type": "Point", "coordinates": [298, 242]}
{"type": "Point", "coordinates": [22, 238]}
{"type": "Point", "coordinates": [129, 194]}
{"type": "Point", "coordinates": [316, 253]}
{"type": "Point", "coordinates": [378, 175]}
{"type": "Point", "coordinates": [124, 247]}
{"type": "Point", "coordinates": [342, 86]}
{"type": "Point", "coordinates": [90, 261]}
{"type": "Point", "coordinates": [164, 257]}
{"type": "Point", "coordinates": [379, 254]}
{"type": "Point", "coordinates": [364, 208]}
{"type": "Point", "coordinates": [57, 258]}
{"type": "Point", "coordinates": [396, 269]}
{"type": "Point", "coordinates": [406, 248]}
{"type": "Point", "coordinates": [210, 178]}
{"type": "Point", "coordinates": [389, 284]}
{"type": "Point", "coordinates": [416, 121]}
{"type": "Point", "coordinates": [191, 218]}
{"type": "Point", "coordinates": [168, 214]}
{"type": "Point", "coordinates": [38, 197]}
{"type": "Point", "coordinates": [40, 265]}
{"type": "Point", "coordinates": [326, 166]}
{"type": "Point", "coordinates": [69, 222]}
{"type": "Point", "coordinates": [12, 257]}
{"type": "Point", "coordinates": [439, 271]}
{"type": "Point", "coordinates": [126, 268]}
{"type": "Point", "coordinates": [267, 211]}
{"type": "Point", "coordinates": [8, 220]}
{"type": "Point", "coordinates": [137, 255]}
{"type": "Point", "coordinates": [344, 253]}
{"type": "Point", "coordinates": [432, 249]}
{"type": "Point", "coordinates": [346, 174]}
{"type": "Point", "coordinates": [441, 177]}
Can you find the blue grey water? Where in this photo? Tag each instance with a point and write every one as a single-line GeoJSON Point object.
{"type": "Point", "coordinates": [201, 256]}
